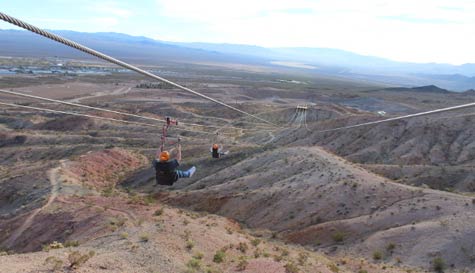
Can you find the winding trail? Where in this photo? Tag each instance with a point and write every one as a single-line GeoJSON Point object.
{"type": "Point", "coordinates": [118, 91]}
{"type": "Point", "coordinates": [272, 138]}
{"type": "Point", "coordinates": [54, 181]}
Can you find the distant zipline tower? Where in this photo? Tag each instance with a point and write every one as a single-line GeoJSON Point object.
{"type": "Point", "coordinates": [300, 116]}
{"type": "Point", "coordinates": [302, 108]}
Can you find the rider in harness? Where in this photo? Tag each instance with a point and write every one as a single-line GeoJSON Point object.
{"type": "Point", "coordinates": [216, 152]}
{"type": "Point", "coordinates": [166, 168]}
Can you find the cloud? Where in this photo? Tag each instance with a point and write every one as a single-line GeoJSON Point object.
{"type": "Point", "coordinates": [105, 22]}
{"type": "Point", "coordinates": [420, 31]}
{"type": "Point", "coordinates": [110, 8]}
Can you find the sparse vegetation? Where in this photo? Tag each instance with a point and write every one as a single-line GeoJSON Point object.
{"type": "Point", "coordinates": [290, 267]}
{"type": "Point", "coordinates": [198, 256]}
{"type": "Point", "coordinates": [53, 245]}
{"type": "Point", "coordinates": [338, 236]}
{"type": "Point", "coordinates": [333, 268]}
{"type": "Point", "coordinates": [56, 263]}
{"type": "Point", "coordinates": [193, 265]}
{"type": "Point", "coordinates": [302, 259]}
{"type": "Point", "coordinates": [76, 259]}
{"type": "Point", "coordinates": [255, 242]}
{"type": "Point", "coordinates": [438, 264]}
{"type": "Point", "coordinates": [190, 244]}
{"type": "Point", "coordinates": [219, 256]}
{"type": "Point", "coordinates": [242, 247]}
{"type": "Point", "coordinates": [144, 237]}
{"type": "Point", "coordinates": [242, 264]}
{"type": "Point", "coordinates": [377, 255]}
{"type": "Point", "coordinates": [71, 244]}
{"type": "Point", "coordinates": [158, 212]}
{"type": "Point", "coordinates": [390, 247]}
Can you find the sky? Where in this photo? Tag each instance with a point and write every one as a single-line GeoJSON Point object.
{"type": "Point", "coordinates": [421, 31]}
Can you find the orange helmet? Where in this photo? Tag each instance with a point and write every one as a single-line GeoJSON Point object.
{"type": "Point", "coordinates": [164, 156]}
{"type": "Point", "coordinates": [215, 146]}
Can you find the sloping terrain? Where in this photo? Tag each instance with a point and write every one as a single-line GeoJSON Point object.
{"type": "Point", "coordinates": [79, 181]}
{"type": "Point", "coordinates": [102, 229]}
{"type": "Point", "coordinates": [325, 202]}
{"type": "Point", "coordinates": [436, 151]}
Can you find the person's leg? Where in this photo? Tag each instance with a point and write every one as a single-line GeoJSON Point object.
{"type": "Point", "coordinates": [182, 174]}
{"type": "Point", "coordinates": [187, 173]}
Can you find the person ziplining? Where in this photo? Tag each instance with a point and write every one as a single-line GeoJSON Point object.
{"type": "Point", "coordinates": [215, 150]}
{"type": "Point", "coordinates": [166, 169]}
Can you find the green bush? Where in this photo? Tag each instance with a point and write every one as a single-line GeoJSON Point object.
{"type": "Point", "coordinates": [194, 265]}
{"type": "Point", "coordinates": [338, 236]}
{"type": "Point", "coordinates": [242, 247]}
{"type": "Point", "coordinates": [219, 256]}
{"type": "Point", "coordinates": [76, 259]}
{"type": "Point", "coordinates": [377, 255]}
{"type": "Point", "coordinates": [290, 267]}
{"type": "Point", "coordinates": [438, 264]}
{"type": "Point", "coordinates": [256, 242]}
{"type": "Point", "coordinates": [71, 244]}
{"type": "Point", "coordinates": [243, 263]}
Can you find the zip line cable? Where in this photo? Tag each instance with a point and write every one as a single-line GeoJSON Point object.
{"type": "Point", "coordinates": [97, 117]}
{"type": "Point", "coordinates": [78, 105]}
{"type": "Point", "coordinates": [78, 114]}
{"type": "Point", "coordinates": [105, 57]}
{"type": "Point", "coordinates": [447, 109]}
{"type": "Point", "coordinates": [105, 110]}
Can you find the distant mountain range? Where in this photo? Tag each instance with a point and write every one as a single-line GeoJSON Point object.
{"type": "Point", "coordinates": [321, 61]}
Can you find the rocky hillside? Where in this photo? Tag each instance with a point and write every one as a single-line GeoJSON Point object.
{"type": "Point", "coordinates": [314, 198]}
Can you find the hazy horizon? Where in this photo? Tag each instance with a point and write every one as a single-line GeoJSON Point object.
{"type": "Point", "coordinates": [423, 32]}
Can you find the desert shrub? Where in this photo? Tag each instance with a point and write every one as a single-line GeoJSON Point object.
{"type": "Point", "coordinates": [198, 256]}
{"type": "Point", "coordinates": [144, 237]}
{"type": "Point", "coordinates": [76, 259]}
{"type": "Point", "coordinates": [71, 244]}
{"type": "Point", "coordinates": [190, 244]}
{"type": "Point", "coordinates": [124, 235]}
{"type": "Point", "coordinates": [242, 247]}
{"type": "Point", "coordinates": [53, 245]}
{"type": "Point", "coordinates": [219, 256]}
{"type": "Point", "coordinates": [338, 236]}
{"type": "Point", "coordinates": [255, 242]}
{"type": "Point", "coordinates": [302, 259]}
{"type": "Point", "coordinates": [193, 265]}
{"type": "Point", "coordinates": [438, 264]}
{"type": "Point", "coordinates": [333, 268]}
{"type": "Point", "coordinates": [115, 223]}
{"type": "Point", "coordinates": [290, 267]}
{"type": "Point", "coordinates": [56, 263]}
{"type": "Point", "coordinates": [377, 255]}
{"type": "Point", "coordinates": [390, 247]}
{"type": "Point", "coordinates": [158, 212]}
{"type": "Point", "coordinates": [242, 264]}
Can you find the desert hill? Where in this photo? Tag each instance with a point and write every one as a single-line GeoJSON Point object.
{"type": "Point", "coordinates": [322, 201]}
{"type": "Point", "coordinates": [84, 182]}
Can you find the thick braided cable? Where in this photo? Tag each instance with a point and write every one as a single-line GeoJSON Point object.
{"type": "Point", "coordinates": [100, 55]}
{"type": "Point", "coordinates": [78, 114]}
{"type": "Point", "coordinates": [105, 110]}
